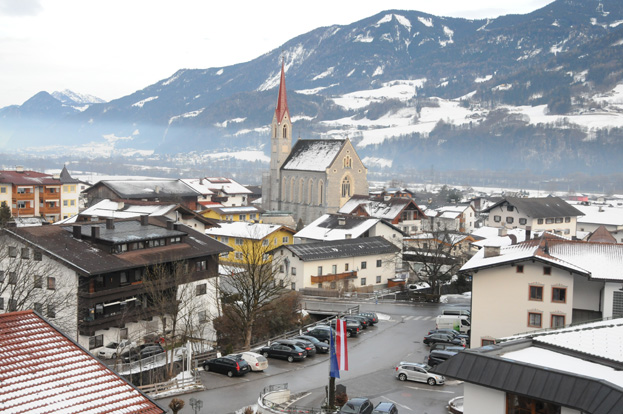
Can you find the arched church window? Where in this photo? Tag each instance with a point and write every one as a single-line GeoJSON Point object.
{"type": "Point", "coordinates": [310, 185]}
{"type": "Point", "coordinates": [346, 187]}
{"type": "Point", "coordinates": [348, 162]}
{"type": "Point", "coordinates": [291, 190]}
{"type": "Point", "coordinates": [301, 192]}
{"type": "Point", "coordinates": [283, 190]}
{"type": "Point", "coordinates": [285, 131]}
{"type": "Point", "coordinates": [320, 192]}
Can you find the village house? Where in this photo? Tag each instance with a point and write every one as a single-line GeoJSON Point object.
{"type": "Point", "coordinates": [250, 241]}
{"type": "Point", "coordinates": [551, 214]}
{"type": "Point", "coordinates": [403, 213]}
{"type": "Point", "coordinates": [596, 215]}
{"type": "Point", "coordinates": [249, 214]}
{"type": "Point", "coordinates": [548, 282]}
{"type": "Point", "coordinates": [221, 190]}
{"type": "Point", "coordinates": [88, 278]}
{"type": "Point", "coordinates": [45, 370]}
{"type": "Point", "coordinates": [342, 265]}
{"type": "Point", "coordinates": [570, 371]}
{"type": "Point", "coordinates": [458, 218]}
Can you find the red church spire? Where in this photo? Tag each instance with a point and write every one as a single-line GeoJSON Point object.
{"type": "Point", "coordinates": [282, 100]}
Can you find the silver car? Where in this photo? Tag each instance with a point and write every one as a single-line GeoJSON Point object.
{"type": "Point", "coordinates": [414, 371]}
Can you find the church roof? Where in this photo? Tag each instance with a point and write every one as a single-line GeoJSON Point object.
{"type": "Point", "coordinates": [313, 154]}
{"type": "Point", "coordinates": [282, 100]}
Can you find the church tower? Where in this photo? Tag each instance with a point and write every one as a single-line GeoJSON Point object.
{"type": "Point", "coordinates": [280, 143]}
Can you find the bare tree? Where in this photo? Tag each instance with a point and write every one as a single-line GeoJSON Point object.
{"type": "Point", "coordinates": [433, 258]}
{"type": "Point", "coordinates": [252, 284]}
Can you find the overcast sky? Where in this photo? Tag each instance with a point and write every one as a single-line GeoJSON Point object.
{"type": "Point", "coordinates": [111, 48]}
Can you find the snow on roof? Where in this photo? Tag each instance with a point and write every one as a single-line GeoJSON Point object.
{"type": "Point", "coordinates": [225, 185]}
{"type": "Point", "coordinates": [116, 209]}
{"type": "Point", "coordinates": [313, 154]}
{"type": "Point", "coordinates": [381, 208]}
{"type": "Point", "coordinates": [198, 185]}
{"type": "Point", "coordinates": [328, 227]}
{"type": "Point", "coordinates": [148, 188]}
{"type": "Point", "coordinates": [599, 214]}
{"type": "Point", "coordinates": [43, 371]}
{"type": "Point", "coordinates": [253, 231]}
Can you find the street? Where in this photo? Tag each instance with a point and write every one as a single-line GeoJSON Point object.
{"type": "Point", "coordinates": [372, 359]}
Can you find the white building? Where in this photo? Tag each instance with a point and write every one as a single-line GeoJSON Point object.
{"type": "Point", "coordinates": [461, 218]}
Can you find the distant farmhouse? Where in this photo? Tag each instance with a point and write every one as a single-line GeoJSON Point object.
{"type": "Point", "coordinates": [314, 177]}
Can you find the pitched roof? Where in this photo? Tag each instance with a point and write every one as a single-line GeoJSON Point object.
{"type": "Point", "coordinates": [313, 154]}
{"type": "Point", "coordinates": [601, 235]}
{"type": "Point", "coordinates": [282, 99]}
{"type": "Point", "coordinates": [84, 256]}
{"type": "Point", "coordinates": [542, 207]}
{"type": "Point", "coordinates": [603, 261]}
{"type": "Point", "coordinates": [27, 178]}
{"type": "Point", "coordinates": [366, 246]}
{"type": "Point", "coordinates": [336, 227]}
{"type": "Point", "coordinates": [43, 371]}
{"type": "Point", "coordinates": [246, 230]}
{"type": "Point", "coordinates": [146, 188]}
{"type": "Point", "coordinates": [601, 214]}
{"type": "Point", "coordinates": [578, 367]}
{"type": "Point", "coordinates": [66, 178]}
{"type": "Point", "coordinates": [387, 209]}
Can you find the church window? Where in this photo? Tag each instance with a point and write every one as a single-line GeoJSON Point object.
{"type": "Point", "coordinates": [310, 184]}
{"type": "Point", "coordinates": [346, 187]}
{"type": "Point", "coordinates": [301, 193]}
{"type": "Point", "coordinates": [291, 190]}
{"type": "Point", "coordinates": [285, 131]}
{"type": "Point", "coordinates": [320, 193]}
{"type": "Point", "coordinates": [348, 162]}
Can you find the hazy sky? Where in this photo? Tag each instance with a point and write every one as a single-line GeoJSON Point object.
{"type": "Point", "coordinates": [111, 48]}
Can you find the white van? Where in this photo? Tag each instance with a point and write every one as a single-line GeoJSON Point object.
{"type": "Point", "coordinates": [456, 322]}
{"type": "Point", "coordinates": [460, 312]}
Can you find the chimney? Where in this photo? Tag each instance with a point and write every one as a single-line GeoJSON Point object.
{"type": "Point", "coordinates": [110, 224]}
{"type": "Point", "coordinates": [513, 238]}
{"type": "Point", "coordinates": [502, 232]}
{"type": "Point", "coordinates": [19, 168]}
{"type": "Point", "coordinates": [95, 232]}
{"type": "Point", "coordinates": [144, 220]}
{"type": "Point", "coordinates": [341, 221]}
{"type": "Point", "coordinates": [528, 232]}
{"type": "Point", "coordinates": [492, 251]}
{"type": "Point", "coordinates": [170, 225]}
{"type": "Point", "coordinates": [157, 190]}
{"type": "Point", "coordinates": [56, 176]}
{"type": "Point", "coordinates": [77, 232]}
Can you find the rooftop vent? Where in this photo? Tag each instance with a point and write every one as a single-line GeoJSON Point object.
{"type": "Point", "coordinates": [77, 232]}
{"type": "Point", "coordinates": [19, 168]}
{"type": "Point", "coordinates": [341, 221]}
{"type": "Point", "coordinates": [110, 224]}
{"type": "Point", "coordinates": [492, 251]}
{"type": "Point", "coordinates": [144, 220]}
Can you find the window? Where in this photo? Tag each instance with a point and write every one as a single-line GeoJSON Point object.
{"type": "Point", "coordinates": [38, 308]}
{"type": "Point", "coordinates": [51, 311]}
{"type": "Point", "coordinates": [294, 271]}
{"type": "Point", "coordinates": [536, 292]}
{"type": "Point", "coordinates": [378, 279]}
{"type": "Point", "coordinates": [558, 321]}
{"type": "Point", "coordinates": [319, 270]}
{"type": "Point", "coordinates": [549, 221]}
{"type": "Point", "coordinates": [38, 281]}
{"type": "Point", "coordinates": [12, 251]}
{"type": "Point", "coordinates": [346, 267]}
{"type": "Point", "coordinates": [363, 281]}
{"type": "Point", "coordinates": [547, 270]}
{"type": "Point", "coordinates": [497, 219]}
{"type": "Point", "coordinates": [12, 305]}
{"type": "Point", "coordinates": [1, 303]}
{"type": "Point", "coordinates": [348, 162]}
{"type": "Point", "coordinates": [238, 256]}
{"type": "Point", "coordinates": [509, 208]}
{"type": "Point", "coordinates": [540, 221]}
{"type": "Point", "coordinates": [559, 295]}
{"type": "Point", "coordinates": [558, 220]}
{"type": "Point", "coordinates": [51, 283]}
{"type": "Point", "coordinates": [242, 217]}
{"type": "Point", "coordinates": [519, 268]}
{"type": "Point", "coordinates": [1, 276]}
{"type": "Point", "coordinates": [123, 278]}
{"type": "Point", "coordinates": [346, 187]}
{"type": "Point", "coordinates": [225, 239]}
{"type": "Point", "coordinates": [3, 189]}
{"type": "Point", "coordinates": [37, 255]}
{"type": "Point", "coordinates": [201, 289]}
{"type": "Point", "coordinates": [567, 219]}
{"type": "Point", "coordinates": [364, 265]}
{"type": "Point", "coordinates": [201, 265]}
{"type": "Point", "coordinates": [280, 268]}
{"type": "Point", "coordinates": [517, 404]}
{"type": "Point", "coordinates": [523, 221]}
{"type": "Point", "coordinates": [65, 203]}
{"type": "Point", "coordinates": [138, 275]}
{"type": "Point", "coordinates": [202, 316]}
{"type": "Point", "coordinates": [12, 278]}
{"type": "Point", "coordinates": [96, 341]}
{"type": "Point", "coordinates": [293, 286]}
{"type": "Point", "coordinates": [534, 319]}
{"type": "Point", "coordinates": [379, 263]}
{"type": "Point", "coordinates": [265, 242]}
{"type": "Point", "coordinates": [509, 220]}
{"type": "Point", "coordinates": [334, 269]}
{"type": "Point", "coordinates": [285, 240]}
{"type": "Point", "coordinates": [238, 241]}
{"type": "Point", "coordinates": [485, 342]}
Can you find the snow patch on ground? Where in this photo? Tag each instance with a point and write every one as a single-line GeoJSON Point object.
{"type": "Point", "coordinates": [219, 72]}
{"type": "Point", "coordinates": [186, 115]}
{"type": "Point", "coordinates": [484, 79]}
{"type": "Point", "coordinates": [229, 121]}
{"type": "Point", "coordinates": [324, 74]}
{"type": "Point", "coordinates": [140, 104]}
{"type": "Point", "coordinates": [385, 19]}
{"type": "Point", "coordinates": [403, 21]}
{"type": "Point", "coordinates": [301, 118]}
{"type": "Point", "coordinates": [364, 38]}
{"type": "Point", "coordinates": [378, 71]}
{"type": "Point", "coordinates": [314, 91]}
{"type": "Point", "coordinates": [428, 22]}
{"type": "Point", "coordinates": [399, 89]}
{"type": "Point", "coordinates": [377, 162]}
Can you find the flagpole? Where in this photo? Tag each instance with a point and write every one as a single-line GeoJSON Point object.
{"type": "Point", "coordinates": [331, 379]}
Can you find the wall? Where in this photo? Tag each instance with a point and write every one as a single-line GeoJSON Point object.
{"type": "Point", "coordinates": [482, 400]}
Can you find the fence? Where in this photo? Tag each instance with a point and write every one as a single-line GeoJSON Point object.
{"type": "Point", "coordinates": [277, 399]}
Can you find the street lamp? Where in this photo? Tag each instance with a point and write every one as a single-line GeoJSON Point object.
{"type": "Point", "coordinates": [196, 405]}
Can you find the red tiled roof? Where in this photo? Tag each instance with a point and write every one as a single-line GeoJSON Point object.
{"type": "Point", "coordinates": [43, 371]}
{"type": "Point", "coordinates": [27, 178]}
{"type": "Point", "coordinates": [282, 100]}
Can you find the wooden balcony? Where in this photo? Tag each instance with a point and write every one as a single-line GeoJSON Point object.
{"type": "Point", "coordinates": [23, 196]}
{"type": "Point", "coordinates": [334, 277]}
{"type": "Point", "coordinates": [46, 210]}
{"type": "Point", "coordinates": [88, 326]}
{"type": "Point", "coordinates": [23, 212]}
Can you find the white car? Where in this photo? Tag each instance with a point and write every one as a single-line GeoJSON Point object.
{"type": "Point", "coordinates": [414, 371]}
{"type": "Point", "coordinates": [256, 361]}
{"type": "Point", "coordinates": [112, 349]}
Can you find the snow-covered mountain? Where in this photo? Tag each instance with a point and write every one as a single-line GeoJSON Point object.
{"type": "Point", "coordinates": [76, 100]}
{"type": "Point", "coordinates": [536, 92]}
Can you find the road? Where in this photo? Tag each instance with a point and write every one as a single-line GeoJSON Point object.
{"type": "Point", "coordinates": [372, 358]}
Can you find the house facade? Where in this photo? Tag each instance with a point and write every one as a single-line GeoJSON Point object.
{"type": "Point", "coordinates": [314, 177]}
{"type": "Point", "coordinates": [597, 215]}
{"type": "Point", "coordinates": [403, 213]}
{"type": "Point", "coordinates": [459, 218]}
{"type": "Point", "coordinates": [242, 213]}
{"type": "Point", "coordinates": [343, 265]}
{"type": "Point", "coordinates": [549, 282]}
{"type": "Point", "coordinates": [89, 278]}
{"type": "Point", "coordinates": [551, 214]}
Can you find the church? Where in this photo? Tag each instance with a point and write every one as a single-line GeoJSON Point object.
{"type": "Point", "coordinates": [316, 176]}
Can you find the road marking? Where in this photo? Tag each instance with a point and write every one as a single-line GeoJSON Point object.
{"type": "Point", "coordinates": [420, 389]}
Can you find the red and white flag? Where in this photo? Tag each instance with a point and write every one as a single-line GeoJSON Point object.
{"type": "Point", "coordinates": [339, 351]}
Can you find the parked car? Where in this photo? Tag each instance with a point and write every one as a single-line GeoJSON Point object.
{"type": "Point", "coordinates": [438, 356]}
{"type": "Point", "coordinates": [322, 333]}
{"type": "Point", "coordinates": [230, 365]}
{"type": "Point", "coordinates": [385, 408]}
{"type": "Point", "coordinates": [442, 337]}
{"type": "Point", "coordinates": [142, 352]}
{"type": "Point", "coordinates": [372, 317]}
{"type": "Point", "coordinates": [414, 371]}
{"type": "Point", "coordinates": [321, 347]}
{"type": "Point", "coordinates": [452, 332]}
{"type": "Point", "coordinates": [352, 327]}
{"type": "Point", "coordinates": [289, 351]}
{"type": "Point", "coordinates": [301, 343]}
{"type": "Point", "coordinates": [460, 312]}
{"type": "Point", "coordinates": [363, 320]}
{"type": "Point", "coordinates": [442, 346]}
{"type": "Point", "coordinates": [256, 361]}
{"type": "Point", "coordinates": [112, 349]}
{"type": "Point", "coordinates": [357, 406]}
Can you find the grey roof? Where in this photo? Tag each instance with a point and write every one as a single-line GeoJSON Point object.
{"type": "Point", "coordinates": [313, 154]}
{"type": "Point", "coordinates": [66, 178]}
{"type": "Point", "coordinates": [542, 207]}
{"type": "Point", "coordinates": [127, 231]}
{"type": "Point", "coordinates": [342, 248]}
{"type": "Point", "coordinates": [147, 188]}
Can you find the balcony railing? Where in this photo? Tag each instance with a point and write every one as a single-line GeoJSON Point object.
{"type": "Point", "coordinates": [88, 325]}
{"type": "Point", "coordinates": [334, 277]}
